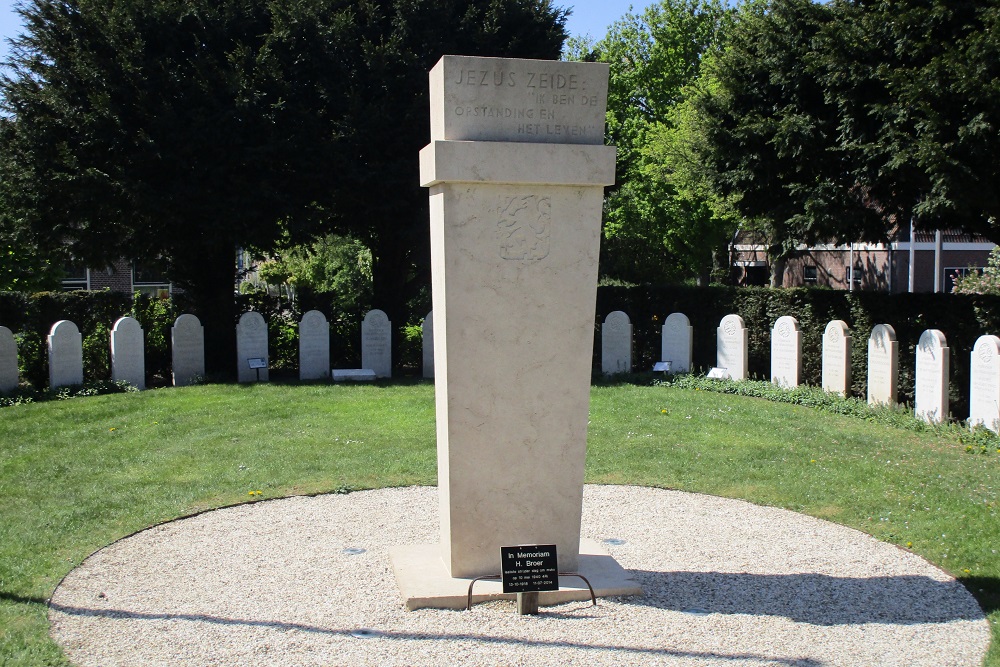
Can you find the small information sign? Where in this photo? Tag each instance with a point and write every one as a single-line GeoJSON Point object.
{"type": "Point", "coordinates": [718, 373]}
{"type": "Point", "coordinates": [661, 367]}
{"type": "Point", "coordinates": [257, 363]}
{"type": "Point", "coordinates": [527, 568]}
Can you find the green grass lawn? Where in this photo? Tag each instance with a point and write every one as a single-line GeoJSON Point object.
{"type": "Point", "coordinates": [76, 475]}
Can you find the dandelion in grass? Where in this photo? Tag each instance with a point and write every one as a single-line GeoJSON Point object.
{"type": "Point", "coordinates": [663, 411]}
{"type": "Point", "coordinates": [112, 429]}
{"type": "Point", "coordinates": [909, 545]}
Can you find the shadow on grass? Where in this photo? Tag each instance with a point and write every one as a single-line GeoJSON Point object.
{"type": "Point", "coordinates": [465, 639]}
{"type": "Point", "coordinates": [817, 599]}
{"type": "Point", "coordinates": [20, 599]}
{"type": "Point", "coordinates": [986, 590]}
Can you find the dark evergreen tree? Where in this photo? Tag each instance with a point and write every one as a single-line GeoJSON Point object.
{"type": "Point", "coordinates": [184, 129]}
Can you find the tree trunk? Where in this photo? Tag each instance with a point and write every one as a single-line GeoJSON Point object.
{"type": "Point", "coordinates": [208, 278]}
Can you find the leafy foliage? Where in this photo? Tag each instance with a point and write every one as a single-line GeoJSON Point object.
{"type": "Point", "coordinates": [842, 121]}
{"type": "Point", "coordinates": [986, 281]}
{"type": "Point", "coordinates": [656, 225]}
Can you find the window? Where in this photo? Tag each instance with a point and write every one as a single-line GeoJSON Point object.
{"type": "Point", "coordinates": [74, 276]}
{"type": "Point", "coordinates": [809, 275]}
{"type": "Point", "coordinates": [858, 274]}
{"type": "Point", "coordinates": [150, 278]}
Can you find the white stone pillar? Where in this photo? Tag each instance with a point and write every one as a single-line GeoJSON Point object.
{"type": "Point", "coordinates": [516, 169]}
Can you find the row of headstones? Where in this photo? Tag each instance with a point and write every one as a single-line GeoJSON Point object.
{"type": "Point", "coordinates": [187, 337]}
{"type": "Point", "coordinates": [931, 369]}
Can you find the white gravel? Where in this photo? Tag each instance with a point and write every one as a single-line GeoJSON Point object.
{"type": "Point", "coordinates": [726, 582]}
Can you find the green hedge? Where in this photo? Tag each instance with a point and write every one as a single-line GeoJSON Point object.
{"type": "Point", "coordinates": [962, 319]}
{"type": "Point", "coordinates": [31, 316]}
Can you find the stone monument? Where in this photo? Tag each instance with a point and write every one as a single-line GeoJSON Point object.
{"type": "Point", "coordinates": [731, 347]}
{"type": "Point", "coordinates": [314, 346]}
{"type": "Point", "coordinates": [187, 349]}
{"type": "Point", "coordinates": [8, 361]}
{"type": "Point", "coordinates": [984, 384]}
{"type": "Point", "coordinates": [616, 344]}
{"type": "Point", "coordinates": [516, 169]}
{"type": "Point", "coordinates": [65, 355]}
{"type": "Point", "coordinates": [837, 358]}
{"type": "Point", "coordinates": [251, 348]}
{"type": "Point", "coordinates": [128, 353]}
{"type": "Point", "coordinates": [786, 352]}
{"type": "Point", "coordinates": [677, 342]}
{"type": "Point", "coordinates": [883, 365]}
{"type": "Point", "coordinates": [930, 395]}
{"type": "Point", "coordinates": [376, 343]}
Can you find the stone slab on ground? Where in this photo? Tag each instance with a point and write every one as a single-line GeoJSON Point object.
{"type": "Point", "coordinates": [424, 581]}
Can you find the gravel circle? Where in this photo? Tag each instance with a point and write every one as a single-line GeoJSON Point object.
{"type": "Point", "coordinates": [307, 581]}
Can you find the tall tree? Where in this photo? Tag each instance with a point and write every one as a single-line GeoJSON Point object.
{"type": "Point", "coordinates": [184, 129]}
{"type": "Point", "coordinates": [652, 230]}
{"type": "Point", "coordinates": [772, 135]}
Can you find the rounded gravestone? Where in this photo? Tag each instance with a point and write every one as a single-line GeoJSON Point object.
{"type": "Point", "coordinates": [314, 346]}
{"type": "Point", "coordinates": [677, 341]}
{"type": "Point", "coordinates": [931, 382]}
{"type": "Point", "coordinates": [984, 381]}
{"type": "Point", "coordinates": [376, 343]}
{"type": "Point", "coordinates": [837, 358]}
{"type": "Point", "coordinates": [187, 345]}
{"type": "Point", "coordinates": [786, 352]}
{"type": "Point", "coordinates": [128, 362]}
{"type": "Point", "coordinates": [65, 345]}
{"type": "Point", "coordinates": [616, 343]}
{"type": "Point", "coordinates": [8, 361]}
{"type": "Point", "coordinates": [251, 348]}
{"type": "Point", "coordinates": [883, 365]}
{"type": "Point", "coordinates": [731, 347]}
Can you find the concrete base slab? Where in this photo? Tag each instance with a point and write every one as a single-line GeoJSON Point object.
{"type": "Point", "coordinates": [424, 581]}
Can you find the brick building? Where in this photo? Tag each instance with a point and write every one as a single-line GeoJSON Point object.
{"type": "Point", "coordinates": [877, 266]}
{"type": "Point", "coordinates": [120, 276]}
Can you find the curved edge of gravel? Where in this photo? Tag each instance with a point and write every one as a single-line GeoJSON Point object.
{"type": "Point", "coordinates": [725, 580]}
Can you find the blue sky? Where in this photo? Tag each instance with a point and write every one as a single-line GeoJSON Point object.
{"type": "Point", "coordinates": [589, 17]}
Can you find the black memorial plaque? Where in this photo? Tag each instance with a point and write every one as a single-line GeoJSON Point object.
{"type": "Point", "coordinates": [528, 568]}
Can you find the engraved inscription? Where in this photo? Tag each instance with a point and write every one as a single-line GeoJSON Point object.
{"type": "Point", "coordinates": [527, 101]}
{"type": "Point", "coordinates": [523, 227]}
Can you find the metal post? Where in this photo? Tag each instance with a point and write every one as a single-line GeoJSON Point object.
{"type": "Point", "coordinates": [850, 270]}
{"type": "Point", "coordinates": [527, 603]}
{"type": "Point", "coordinates": [913, 253]}
{"type": "Point", "coordinates": [938, 247]}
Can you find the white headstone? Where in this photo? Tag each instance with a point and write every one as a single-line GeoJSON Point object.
{"type": "Point", "coordinates": [251, 345]}
{"type": "Point", "coordinates": [930, 395]}
{"type": "Point", "coordinates": [128, 353]}
{"type": "Point", "coordinates": [427, 330]}
{"type": "Point", "coordinates": [883, 366]}
{"type": "Point", "coordinates": [516, 169]}
{"type": "Point", "coordinates": [314, 346]}
{"type": "Point", "coordinates": [616, 343]}
{"type": "Point", "coordinates": [187, 345]}
{"type": "Point", "coordinates": [376, 343]}
{"type": "Point", "coordinates": [65, 355]}
{"type": "Point", "coordinates": [731, 347]}
{"type": "Point", "coordinates": [984, 384]}
{"type": "Point", "coordinates": [837, 358]}
{"type": "Point", "coordinates": [8, 361]}
{"type": "Point", "coordinates": [786, 352]}
{"type": "Point", "coordinates": [677, 342]}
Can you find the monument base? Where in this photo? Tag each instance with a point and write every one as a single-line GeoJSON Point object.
{"type": "Point", "coordinates": [424, 581]}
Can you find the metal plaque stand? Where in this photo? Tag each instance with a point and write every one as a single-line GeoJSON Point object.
{"type": "Point", "coordinates": [527, 602]}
